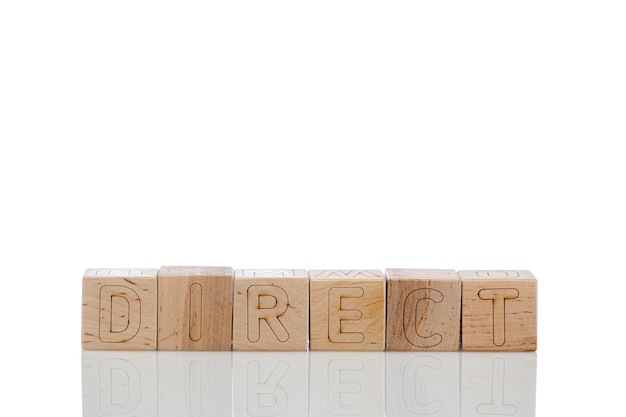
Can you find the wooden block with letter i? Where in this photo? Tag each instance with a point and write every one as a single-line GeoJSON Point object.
{"type": "Point", "coordinates": [271, 309]}
{"type": "Point", "coordinates": [119, 309]}
{"type": "Point", "coordinates": [195, 308]}
{"type": "Point", "coordinates": [347, 310]}
{"type": "Point", "coordinates": [499, 310]}
{"type": "Point", "coordinates": [423, 309]}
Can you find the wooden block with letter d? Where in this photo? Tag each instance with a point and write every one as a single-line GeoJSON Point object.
{"type": "Point", "coordinates": [119, 309]}
{"type": "Point", "coordinates": [271, 309]}
{"type": "Point", "coordinates": [499, 310]}
{"type": "Point", "coordinates": [195, 308]}
{"type": "Point", "coordinates": [423, 309]}
{"type": "Point", "coordinates": [347, 310]}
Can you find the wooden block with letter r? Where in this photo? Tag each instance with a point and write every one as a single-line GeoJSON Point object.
{"type": "Point", "coordinates": [347, 310]}
{"type": "Point", "coordinates": [119, 309]}
{"type": "Point", "coordinates": [423, 309]}
{"type": "Point", "coordinates": [499, 310]}
{"type": "Point", "coordinates": [271, 309]}
{"type": "Point", "coordinates": [195, 308]}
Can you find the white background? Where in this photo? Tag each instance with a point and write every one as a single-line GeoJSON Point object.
{"type": "Point", "coordinates": [321, 134]}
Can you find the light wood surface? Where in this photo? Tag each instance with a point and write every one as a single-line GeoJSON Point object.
{"type": "Point", "coordinates": [499, 310]}
{"type": "Point", "coordinates": [347, 310]}
{"type": "Point", "coordinates": [423, 309]}
{"type": "Point", "coordinates": [271, 310]}
{"type": "Point", "coordinates": [119, 309]}
{"type": "Point", "coordinates": [195, 308]}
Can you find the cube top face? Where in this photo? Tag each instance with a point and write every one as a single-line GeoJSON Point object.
{"type": "Point", "coordinates": [214, 271]}
{"type": "Point", "coordinates": [119, 309]}
{"type": "Point", "coordinates": [271, 310]}
{"type": "Point", "coordinates": [271, 273]}
{"type": "Point", "coordinates": [121, 272]}
{"type": "Point", "coordinates": [334, 274]}
{"type": "Point", "coordinates": [347, 310]}
{"type": "Point", "coordinates": [411, 274]}
{"type": "Point", "coordinates": [496, 274]}
{"type": "Point", "coordinates": [499, 310]}
{"type": "Point", "coordinates": [423, 310]}
{"type": "Point", "coordinates": [195, 308]}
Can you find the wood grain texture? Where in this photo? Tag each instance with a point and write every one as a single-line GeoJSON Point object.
{"type": "Point", "coordinates": [499, 310]}
{"type": "Point", "coordinates": [119, 309]}
{"type": "Point", "coordinates": [271, 310]}
{"type": "Point", "coordinates": [347, 310]}
{"type": "Point", "coordinates": [195, 308]}
{"type": "Point", "coordinates": [423, 309]}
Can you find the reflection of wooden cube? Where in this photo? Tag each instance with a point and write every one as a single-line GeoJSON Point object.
{"type": "Point", "coordinates": [268, 384]}
{"type": "Point", "coordinates": [195, 308]}
{"type": "Point", "coordinates": [499, 310]}
{"type": "Point", "coordinates": [271, 309]}
{"type": "Point", "coordinates": [119, 309]}
{"type": "Point", "coordinates": [347, 310]}
{"type": "Point", "coordinates": [347, 384]}
{"type": "Point", "coordinates": [500, 384]}
{"type": "Point", "coordinates": [423, 309]}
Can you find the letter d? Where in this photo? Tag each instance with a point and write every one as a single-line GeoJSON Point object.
{"type": "Point", "coordinates": [120, 314]}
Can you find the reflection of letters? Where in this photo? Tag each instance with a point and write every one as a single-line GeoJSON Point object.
{"type": "Point", "coordinates": [266, 303]}
{"type": "Point", "coordinates": [341, 317]}
{"type": "Point", "coordinates": [414, 382]}
{"type": "Point", "coordinates": [276, 384]}
{"type": "Point", "coordinates": [498, 384]}
{"type": "Point", "coordinates": [120, 314]}
{"type": "Point", "coordinates": [499, 297]}
{"type": "Point", "coordinates": [120, 386]}
{"type": "Point", "coordinates": [497, 405]}
{"type": "Point", "coordinates": [423, 384]}
{"type": "Point", "coordinates": [266, 397]}
{"type": "Point", "coordinates": [194, 384]}
{"type": "Point", "coordinates": [412, 317]}
{"type": "Point", "coordinates": [341, 387]}
{"type": "Point", "coordinates": [195, 389]}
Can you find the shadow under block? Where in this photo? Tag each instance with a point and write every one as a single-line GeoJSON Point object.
{"type": "Point", "coordinates": [195, 308]}
{"type": "Point", "coordinates": [499, 310]}
{"type": "Point", "coordinates": [119, 309]}
{"type": "Point", "coordinates": [271, 310]}
{"type": "Point", "coordinates": [347, 310]}
{"type": "Point", "coordinates": [423, 309]}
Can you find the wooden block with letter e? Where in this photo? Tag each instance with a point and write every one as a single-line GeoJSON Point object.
{"type": "Point", "coordinates": [195, 308]}
{"type": "Point", "coordinates": [271, 309]}
{"type": "Point", "coordinates": [347, 310]}
{"type": "Point", "coordinates": [423, 309]}
{"type": "Point", "coordinates": [119, 309]}
{"type": "Point", "coordinates": [499, 310]}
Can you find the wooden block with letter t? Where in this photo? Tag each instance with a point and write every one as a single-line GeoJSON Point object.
{"type": "Point", "coordinates": [347, 310]}
{"type": "Point", "coordinates": [195, 308]}
{"type": "Point", "coordinates": [423, 309]}
{"type": "Point", "coordinates": [499, 310]}
{"type": "Point", "coordinates": [271, 309]}
{"type": "Point", "coordinates": [119, 309]}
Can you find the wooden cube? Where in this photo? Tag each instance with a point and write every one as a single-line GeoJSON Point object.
{"type": "Point", "coordinates": [499, 310]}
{"type": "Point", "coordinates": [119, 309]}
{"type": "Point", "coordinates": [271, 309]}
{"type": "Point", "coordinates": [347, 310]}
{"type": "Point", "coordinates": [195, 308]}
{"type": "Point", "coordinates": [423, 309]}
